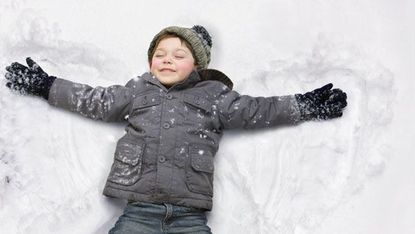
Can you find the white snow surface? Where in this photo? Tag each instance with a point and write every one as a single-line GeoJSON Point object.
{"type": "Point", "coordinates": [349, 175]}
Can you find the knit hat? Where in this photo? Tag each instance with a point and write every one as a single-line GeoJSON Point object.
{"type": "Point", "coordinates": [198, 38]}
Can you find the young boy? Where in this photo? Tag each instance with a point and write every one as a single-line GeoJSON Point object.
{"type": "Point", "coordinates": [175, 115]}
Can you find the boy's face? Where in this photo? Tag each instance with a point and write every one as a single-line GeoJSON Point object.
{"type": "Point", "coordinates": [172, 61]}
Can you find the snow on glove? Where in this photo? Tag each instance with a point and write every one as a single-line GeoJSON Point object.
{"type": "Point", "coordinates": [29, 80]}
{"type": "Point", "coordinates": [322, 103]}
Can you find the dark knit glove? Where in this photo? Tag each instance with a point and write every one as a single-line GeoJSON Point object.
{"type": "Point", "coordinates": [323, 103]}
{"type": "Point", "coordinates": [29, 80]}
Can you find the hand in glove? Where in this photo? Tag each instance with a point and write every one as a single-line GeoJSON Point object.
{"type": "Point", "coordinates": [323, 103]}
{"type": "Point", "coordinates": [29, 80]}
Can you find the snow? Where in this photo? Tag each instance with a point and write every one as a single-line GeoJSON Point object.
{"type": "Point", "coordinates": [350, 175]}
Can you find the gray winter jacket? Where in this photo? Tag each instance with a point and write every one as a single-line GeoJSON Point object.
{"type": "Point", "coordinates": [172, 136]}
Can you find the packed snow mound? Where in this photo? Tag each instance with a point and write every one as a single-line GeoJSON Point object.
{"type": "Point", "coordinates": [53, 164]}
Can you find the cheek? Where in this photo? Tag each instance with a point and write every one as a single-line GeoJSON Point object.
{"type": "Point", "coordinates": [154, 64]}
{"type": "Point", "coordinates": [187, 67]}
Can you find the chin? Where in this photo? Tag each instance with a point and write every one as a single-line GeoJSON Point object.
{"type": "Point", "coordinates": [169, 82]}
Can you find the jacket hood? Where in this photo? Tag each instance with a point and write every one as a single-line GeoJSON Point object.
{"type": "Point", "coordinates": [213, 74]}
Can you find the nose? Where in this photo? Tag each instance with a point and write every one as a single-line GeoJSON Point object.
{"type": "Point", "coordinates": [167, 60]}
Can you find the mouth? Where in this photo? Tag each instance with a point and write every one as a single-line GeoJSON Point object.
{"type": "Point", "coordinates": [167, 70]}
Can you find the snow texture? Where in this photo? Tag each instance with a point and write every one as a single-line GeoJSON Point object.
{"type": "Point", "coordinates": [53, 164]}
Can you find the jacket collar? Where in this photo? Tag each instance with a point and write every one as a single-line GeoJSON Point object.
{"type": "Point", "coordinates": [194, 77]}
{"type": "Point", "coordinates": [189, 82]}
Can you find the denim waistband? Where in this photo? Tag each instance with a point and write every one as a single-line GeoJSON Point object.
{"type": "Point", "coordinates": [164, 207]}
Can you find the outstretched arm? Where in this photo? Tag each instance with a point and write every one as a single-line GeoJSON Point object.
{"type": "Point", "coordinates": [242, 111]}
{"type": "Point", "coordinates": [108, 104]}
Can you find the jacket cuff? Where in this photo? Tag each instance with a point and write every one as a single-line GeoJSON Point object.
{"type": "Point", "coordinates": [56, 93]}
{"type": "Point", "coordinates": [45, 90]}
{"type": "Point", "coordinates": [295, 111]}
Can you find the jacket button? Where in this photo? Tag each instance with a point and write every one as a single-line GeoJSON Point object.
{"type": "Point", "coordinates": [166, 125]}
{"type": "Point", "coordinates": [162, 159]}
{"type": "Point", "coordinates": [169, 96]}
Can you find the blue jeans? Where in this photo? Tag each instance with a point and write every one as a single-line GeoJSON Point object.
{"type": "Point", "coordinates": [143, 218]}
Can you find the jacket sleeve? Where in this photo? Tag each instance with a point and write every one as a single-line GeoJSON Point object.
{"type": "Point", "coordinates": [107, 104]}
{"type": "Point", "coordinates": [243, 111]}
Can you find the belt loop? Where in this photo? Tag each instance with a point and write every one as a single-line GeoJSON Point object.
{"type": "Point", "coordinates": [169, 211]}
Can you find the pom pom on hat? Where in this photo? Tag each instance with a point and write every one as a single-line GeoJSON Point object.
{"type": "Point", "coordinates": [198, 38]}
{"type": "Point", "coordinates": [203, 35]}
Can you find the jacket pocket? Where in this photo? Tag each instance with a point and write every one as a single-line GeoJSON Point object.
{"type": "Point", "coordinates": [198, 112]}
{"type": "Point", "coordinates": [145, 111]}
{"type": "Point", "coordinates": [199, 174]}
{"type": "Point", "coordinates": [126, 169]}
{"type": "Point", "coordinates": [200, 103]}
{"type": "Point", "coordinates": [145, 103]}
{"type": "Point", "coordinates": [146, 100]}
